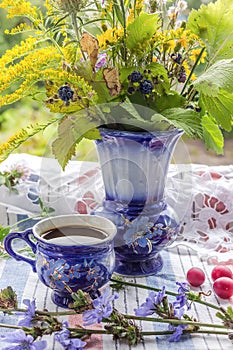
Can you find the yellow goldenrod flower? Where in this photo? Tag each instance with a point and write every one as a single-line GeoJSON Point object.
{"type": "Point", "coordinates": [109, 37]}
{"type": "Point", "coordinates": [19, 28]}
{"type": "Point", "coordinates": [19, 8]}
{"type": "Point", "coordinates": [195, 53]}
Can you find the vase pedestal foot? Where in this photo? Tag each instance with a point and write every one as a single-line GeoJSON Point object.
{"type": "Point", "coordinates": [142, 268]}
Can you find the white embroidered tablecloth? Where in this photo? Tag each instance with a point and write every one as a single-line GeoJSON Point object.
{"type": "Point", "coordinates": [203, 199]}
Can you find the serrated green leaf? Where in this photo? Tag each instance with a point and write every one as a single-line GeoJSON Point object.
{"type": "Point", "coordinates": [159, 123]}
{"type": "Point", "coordinates": [130, 108]}
{"type": "Point", "coordinates": [218, 76]}
{"type": "Point", "coordinates": [186, 119]}
{"type": "Point", "coordinates": [221, 108]}
{"type": "Point", "coordinates": [141, 29]}
{"type": "Point", "coordinates": [215, 87]}
{"type": "Point", "coordinates": [71, 130]}
{"type": "Point", "coordinates": [212, 134]}
{"type": "Point", "coordinates": [213, 23]}
{"type": "Point", "coordinates": [171, 100]}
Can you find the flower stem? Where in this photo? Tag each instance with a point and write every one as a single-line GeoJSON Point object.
{"type": "Point", "coordinates": [83, 331]}
{"type": "Point", "coordinates": [138, 285]}
{"type": "Point", "coordinates": [192, 70]}
{"type": "Point", "coordinates": [41, 313]}
{"type": "Point", "coordinates": [174, 321]}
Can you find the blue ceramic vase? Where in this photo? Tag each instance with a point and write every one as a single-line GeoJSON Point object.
{"type": "Point", "coordinates": [134, 169]}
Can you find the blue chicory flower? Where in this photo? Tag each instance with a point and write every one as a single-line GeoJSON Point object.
{"type": "Point", "coordinates": [178, 331]}
{"type": "Point", "coordinates": [63, 337]}
{"type": "Point", "coordinates": [183, 287]}
{"type": "Point", "coordinates": [181, 298]}
{"type": "Point", "coordinates": [181, 301]}
{"type": "Point", "coordinates": [149, 307]}
{"type": "Point", "coordinates": [102, 308]}
{"type": "Point", "coordinates": [29, 314]}
{"type": "Point", "coordinates": [20, 340]}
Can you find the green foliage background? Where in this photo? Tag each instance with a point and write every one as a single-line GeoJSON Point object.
{"type": "Point", "coordinates": [19, 115]}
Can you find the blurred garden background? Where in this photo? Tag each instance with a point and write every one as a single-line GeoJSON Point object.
{"type": "Point", "coordinates": [17, 116]}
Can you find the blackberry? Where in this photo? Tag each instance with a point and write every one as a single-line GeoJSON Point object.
{"type": "Point", "coordinates": [177, 57]}
{"type": "Point", "coordinates": [146, 87]}
{"type": "Point", "coordinates": [131, 90]}
{"type": "Point", "coordinates": [181, 75]}
{"type": "Point", "coordinates": [135, 77]}
{"type": "Point", "coordinates": [65, 93]}
{"type": "Point", "coordinates": [189, 107]}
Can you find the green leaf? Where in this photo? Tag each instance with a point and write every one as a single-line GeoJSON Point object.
{"type": "Point", "coordinates": [218, 76]}
{"type": "Point", "coordinates": [71, 130]}
{"type": "Point", "coordinates": [130, 108]}
{"type": "Point", "coordinates": [171, 100]}
{"type": "Point", "coordinates": [158, 70]}
{"type": "Point", "coordinates": [230, 311]}
{"type": "Point", "coordinates": [186, 119]}
{"type": "Point", "coordinates": [212, 135]}
{"type": "Point", "coordinates": [118, 12]}
{"type": "Point", "coordinates": [213, 23]}
{"type": "Point", "coordinates": [159, 123]}
{"type": "Point", "coordinates": [4, 232]}
{"type": "Point", "coordinates": [141, 29]}
{"type": "Point", "coordinates": [220, 108]}
{"type": "Point", "coordinates": [215, 87]}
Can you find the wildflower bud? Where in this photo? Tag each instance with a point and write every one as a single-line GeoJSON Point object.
{"type": "Point", "coordinates": [70, 6]}
{"type": "Point", "coordinates": [131, 90]}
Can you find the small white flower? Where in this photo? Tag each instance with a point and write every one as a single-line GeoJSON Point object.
{"type": "Point", "coordinates": [181, 5]}
{"type": "Point", "coordinates": [172, 12]}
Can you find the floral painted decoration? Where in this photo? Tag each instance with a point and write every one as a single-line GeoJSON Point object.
{"type": "Point", "coordinates": [58, 274]}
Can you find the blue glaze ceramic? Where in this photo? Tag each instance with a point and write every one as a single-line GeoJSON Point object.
{"type": "Point", "coordinates": [82, 262]}
{"type": "Point", "coordinates": [134, 168]}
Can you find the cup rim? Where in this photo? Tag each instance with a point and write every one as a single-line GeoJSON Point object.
{"type": "Point", "coordinates": [58, 221]}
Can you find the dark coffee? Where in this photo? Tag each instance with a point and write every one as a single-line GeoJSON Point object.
{"type": "Point", "coordinates": [74, 235]}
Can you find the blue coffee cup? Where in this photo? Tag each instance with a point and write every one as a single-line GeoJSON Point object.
{"type": "Point", "coordinates": [72, 252]}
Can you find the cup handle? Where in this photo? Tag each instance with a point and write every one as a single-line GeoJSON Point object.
{"type": "Point", "coordinates": [25, 237]}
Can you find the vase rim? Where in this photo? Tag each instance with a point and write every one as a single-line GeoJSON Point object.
{"type": "Point", "coordinates": [116, 132]}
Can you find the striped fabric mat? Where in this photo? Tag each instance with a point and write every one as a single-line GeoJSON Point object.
{"type": "Point", "coordinates": [177, 260]}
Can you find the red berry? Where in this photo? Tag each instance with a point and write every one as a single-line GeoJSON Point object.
{"type": "Point", "coordinates": [195, 276]}
{"type": "Point", "coordinates": [221, 271]}
{"type": "Point", "coordinates": [223, 287]}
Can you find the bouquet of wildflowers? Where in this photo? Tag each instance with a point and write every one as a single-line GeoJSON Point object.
{"type": "Point", "coordinates": [134, 65]}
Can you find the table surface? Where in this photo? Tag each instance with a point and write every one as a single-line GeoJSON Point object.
{"type": "Point", "coordinates": [46, 177]}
